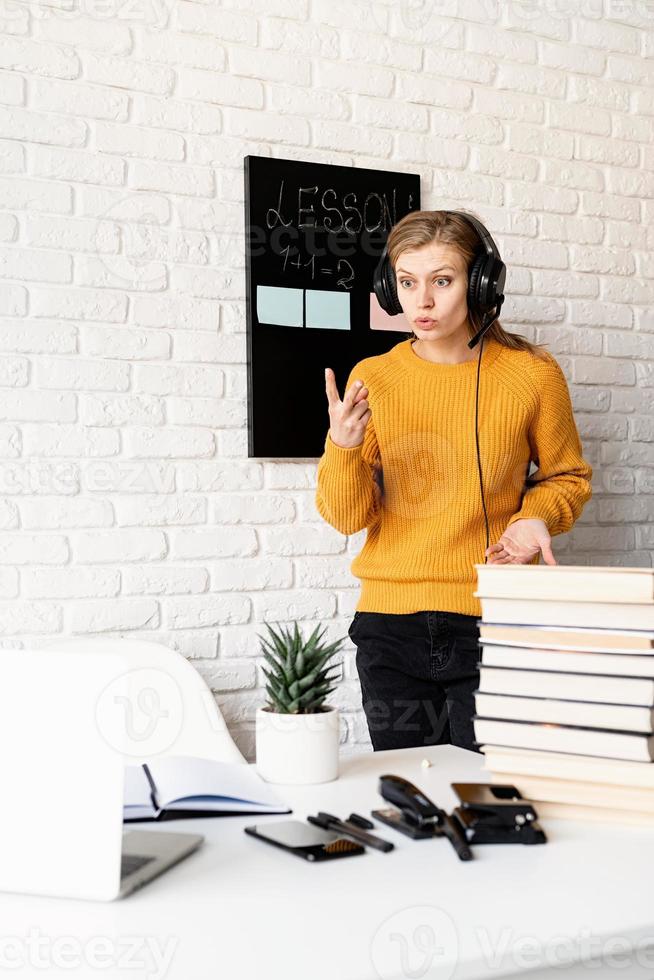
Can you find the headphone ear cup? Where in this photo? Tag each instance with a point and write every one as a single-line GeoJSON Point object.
{"type": "Point", "coordinates": [385, 286]}
{"type": "Point", "coordinates": [485, 283]}
{"type": "Point", "coordinates": [474, 281]}
{"type": "Point", "coordinates": [392, 289]}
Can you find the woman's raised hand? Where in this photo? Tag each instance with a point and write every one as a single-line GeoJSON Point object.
{"type": "Point", "coordinates": [348, 418]}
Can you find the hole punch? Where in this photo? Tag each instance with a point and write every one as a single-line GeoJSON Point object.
{"type": "Point", "coordinates": [496, 813]}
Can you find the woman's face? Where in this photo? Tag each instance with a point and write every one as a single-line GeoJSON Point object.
{"type": "Point", "coordinates": [432, 284]}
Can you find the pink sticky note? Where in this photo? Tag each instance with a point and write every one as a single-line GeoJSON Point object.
{"type": "Point", "coordinates": [380, 320]}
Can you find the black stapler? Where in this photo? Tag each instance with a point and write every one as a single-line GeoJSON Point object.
{"type": "Point", "coordinates": [496, 813]}
{"type": "Point", "coordinates": [417, 816]}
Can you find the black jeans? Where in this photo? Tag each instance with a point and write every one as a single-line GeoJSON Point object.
{"type": "Point", "coordinates": [418, 672]}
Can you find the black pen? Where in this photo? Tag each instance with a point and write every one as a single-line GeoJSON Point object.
{"type": "Point", "coordinates": [329, 822]}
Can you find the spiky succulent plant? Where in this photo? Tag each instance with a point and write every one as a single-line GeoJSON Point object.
{"type": "Point", "coordinates": [298, 681]}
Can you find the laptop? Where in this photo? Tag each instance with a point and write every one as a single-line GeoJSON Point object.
{"type": "Point", "coordinates": [62, 780]}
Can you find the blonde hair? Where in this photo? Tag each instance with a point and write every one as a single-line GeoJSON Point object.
{"type": "Point", "coordinates": [419, 228]}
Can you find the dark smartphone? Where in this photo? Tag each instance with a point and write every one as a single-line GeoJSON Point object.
{"type": "Point", "coordinates": [305, 840]}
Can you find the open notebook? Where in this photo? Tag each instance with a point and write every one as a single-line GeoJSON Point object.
{"type": "Point", "coordinates": [174, 787]}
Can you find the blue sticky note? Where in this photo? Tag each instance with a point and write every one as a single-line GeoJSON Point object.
{"type": "Point", "coordinates": [328, 309]}
{"type": "Point", "coordinates": [279, 305]}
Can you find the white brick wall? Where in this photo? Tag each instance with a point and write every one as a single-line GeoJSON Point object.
{"type": "Point", "coordinates": [127, 501]}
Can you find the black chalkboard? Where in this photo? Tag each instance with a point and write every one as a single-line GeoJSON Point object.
{"type": "Point", "coordinates": [313, 236]}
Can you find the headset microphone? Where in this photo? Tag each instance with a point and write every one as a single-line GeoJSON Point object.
{"type": "Point", "coordinates": [486, 278]}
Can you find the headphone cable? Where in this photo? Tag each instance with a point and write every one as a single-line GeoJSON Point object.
{"type": "Point", "coordinates": [481, 483]}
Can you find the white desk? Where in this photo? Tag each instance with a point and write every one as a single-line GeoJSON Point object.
{"type": "Point", "coordinates": [239, 909]}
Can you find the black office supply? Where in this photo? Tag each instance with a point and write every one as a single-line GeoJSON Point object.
{"type": "Point", "coordinates": [309, 843]}
{"type": "Point", "coordinates": [360, 821]}
{"type": "Point", "coordinates": [395, 818]}
{"type": "Point", "coordinates": [496, 813]}
{"type": "Point", "coordinates": [417, 816]}
{"type": "Point", "coordinates": [330, 822]}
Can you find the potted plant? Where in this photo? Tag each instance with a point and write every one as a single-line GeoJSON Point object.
{"type": "Point", "coordinates": [297, 736]}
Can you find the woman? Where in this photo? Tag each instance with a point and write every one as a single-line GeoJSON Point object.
{"type": "Point", "coordinates": [400, 460]}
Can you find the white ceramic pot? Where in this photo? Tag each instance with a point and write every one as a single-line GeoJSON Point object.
{"type": "Point", "coordinates": [297, 748]}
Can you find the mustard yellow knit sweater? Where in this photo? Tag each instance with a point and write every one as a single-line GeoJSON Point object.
{"type": "Point", "coordinates": [414, 482]}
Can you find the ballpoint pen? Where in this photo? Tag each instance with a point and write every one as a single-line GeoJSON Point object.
{"type": "Point", "coordinates": [329, 822]}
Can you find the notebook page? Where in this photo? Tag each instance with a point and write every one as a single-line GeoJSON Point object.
{"type": "Point", "coordinates": [185, 777]}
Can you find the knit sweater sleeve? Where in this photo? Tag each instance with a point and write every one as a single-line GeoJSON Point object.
{"type": "Point", "coordinates": [557, 491]}
{"type": "Point", "coordinates": [348, 481]}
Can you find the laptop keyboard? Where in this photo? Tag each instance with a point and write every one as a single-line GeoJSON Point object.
{"type": "Point", "coordinates": [132, 862]}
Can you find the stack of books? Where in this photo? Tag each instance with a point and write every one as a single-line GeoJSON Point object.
{"type": "Point", "coordinates": [565, 705]}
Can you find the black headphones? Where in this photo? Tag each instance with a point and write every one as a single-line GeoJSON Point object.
{"type": "Point", "coordinates": [485, 284]}
{"type": "Point", "coordinates": [485, 280]}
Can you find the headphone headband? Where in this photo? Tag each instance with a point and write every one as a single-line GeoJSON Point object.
{"type": "Point", "coordinates": [484, 234]}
